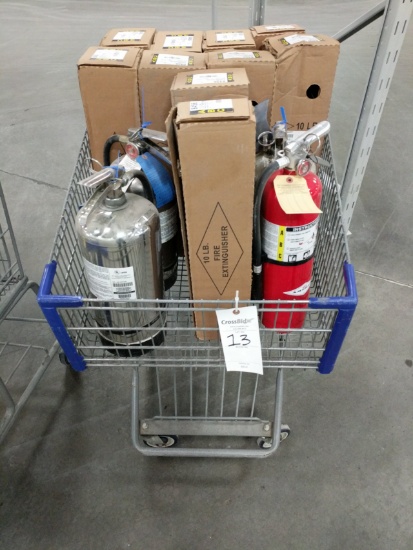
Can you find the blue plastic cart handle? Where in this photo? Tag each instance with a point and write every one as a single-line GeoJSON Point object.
{"type": "Point", "coordinates": [48, 304]}
{"type": "Point", "coordinates": [346, 306]}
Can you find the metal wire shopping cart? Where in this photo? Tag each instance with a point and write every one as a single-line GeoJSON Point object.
{"type": "Point", "coordinates": [18, 377]}
{"type": "Point", "coordinates": [181, 388]}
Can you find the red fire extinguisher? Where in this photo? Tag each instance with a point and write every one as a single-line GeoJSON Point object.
{"type": "Point", "coordinates": [286, 242]}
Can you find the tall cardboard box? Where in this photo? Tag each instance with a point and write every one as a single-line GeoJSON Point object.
{"type": "Point", "coordinates": [209, 84]}
{"type": "Point", "coordinates": [222, 39]}
{"type": "Point", "coordinates": [186, 41]}
{"type": "Point", "coordinates": [304, 77]}
{"type": "Point", "coordinates": [261, 32]}
{"type": "Point", "coordinates": [157, 70]}
{"type": "Point", "coordinates": [108, 80]}
{"type": "Point", "coordinates": [131, 36]}
{"type": "Point", "coordinates": [215, 149]}
{"type": "Point", "coordinates": [259, 66]}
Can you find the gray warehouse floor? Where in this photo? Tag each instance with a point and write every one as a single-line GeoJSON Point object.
{"type": "Point", "coordinates": [70, 477]}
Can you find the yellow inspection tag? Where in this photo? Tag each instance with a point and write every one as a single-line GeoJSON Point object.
{"type": "Point", "coordinates": [294, 196]}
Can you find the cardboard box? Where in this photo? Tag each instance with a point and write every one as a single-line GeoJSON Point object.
{"type": "Point", "coordinates": [139, 37]}
{"type": "Point", "coordinates": [108, 80]}
{"type": "Point", "coordinates": [157, 70]}
{"type": "Point", "coordinates": [209, 84]}
{"type": "Point", "coordinates": [259, 66]}
{"type": "Point", "coordinates": [186, 41]}
{"type": "Point", "coordinates": [215, 148]}
{"type": "Point", "coordinates": [304, 78]}
{"type": "Point", "coordinates": [261, 32]}
{"type": "Point", "coordinates": [235, 39]}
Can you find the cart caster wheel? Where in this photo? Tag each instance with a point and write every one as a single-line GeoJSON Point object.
{"type": "Point", "coordinates": [264, 442]}
{"type": "Point", "coordinates": [161, 441]}
{"type": "Point", "coordinates": [63, 359]}
{"type": "Point", "coordinates": [285, 432]}
{"type": "Point", "coordinates": [74, 374]}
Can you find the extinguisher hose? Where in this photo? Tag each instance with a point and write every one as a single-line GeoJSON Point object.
{"type": "Point", "coordinates": [257, 291]}
{"type": "Point", "coordinates": [116, 138]}
{"type": "Point", "coordinates": [147, 187]}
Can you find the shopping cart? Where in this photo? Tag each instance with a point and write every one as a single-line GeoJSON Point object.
{"type": "Point", "coordinates": [181, 388]}
{"type": "Point", "coordinates": [18, 377]}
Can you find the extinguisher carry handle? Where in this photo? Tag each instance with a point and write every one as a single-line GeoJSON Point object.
{"type": "Point", "coordinates": [93, 181]}
{"type": "Point", "coordinates": [297, 150]}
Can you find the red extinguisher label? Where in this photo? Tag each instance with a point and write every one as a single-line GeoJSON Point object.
{"type": "Point", "coordinates": [289, 244]}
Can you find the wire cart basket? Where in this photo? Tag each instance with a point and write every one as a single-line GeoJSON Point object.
{"type": "Point", "coordinates": [181, 388]}
{"type": "Point", "coordinates": [18, 377]}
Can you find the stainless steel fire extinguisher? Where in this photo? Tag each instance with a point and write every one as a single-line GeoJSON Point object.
{"type": "Point", "coordinates": [143, 152]}
{"type": "Point", "coordinates": [120, 242]}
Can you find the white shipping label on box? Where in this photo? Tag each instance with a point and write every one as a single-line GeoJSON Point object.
{"type": "Point", "coordinates": [211, 106]}
{"type": "Point", "coordinates": [240, 338]}
{"type": "Point", "coordinates": [110, 55]}
{"type": "Point", "coordinates": [297, 38]}
{"type": "Point", "coordinates": [110, 283]}
{"type": "Point", "coordinates": [179, 41]}
{"type": "Point", "coordinates": [279, 27]}
{"type": "Point", "coordinates": [229, 36]}
{"type": "Point", "coordinates": [239, 55]}
{"type": "Point", "coordinates": [166, 59]}
{"type": "Point", "coordinates": [294, 196]}
{"type": "Point", "coordinates": [128, 35]}
{"type": "Point", "coordinates": [211, 78]}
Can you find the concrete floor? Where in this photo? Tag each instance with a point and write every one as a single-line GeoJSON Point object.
{"type": "Point", "coordinates": [69, 475]}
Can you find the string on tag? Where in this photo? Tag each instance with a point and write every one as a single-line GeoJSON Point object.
{"type": "Point", "coordinates": [236, 310]}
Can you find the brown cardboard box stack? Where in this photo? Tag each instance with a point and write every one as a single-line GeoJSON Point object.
{"type": "Point", "coordinates": [259, 66]}
{"type": "Point", "coordinates": [185, 41]}
{"type": "Point", "coordinates": [202, 85]}
{"type": "Point", "coordinates": [108, 80]}
{"type": "Point", "coordinates": [142, 38]}
{"type": "Point", "coordinates": [304, 77]}
{"type": "Point", "coordinates": [157, 71]}
{"type": "Point", "coordinates": [209, 84]}
{"type": "Point", "coordinates": [261, 32]}
{"type": "Point", "coordinates": [235, 39]}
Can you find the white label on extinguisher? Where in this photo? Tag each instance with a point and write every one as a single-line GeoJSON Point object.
{"type": "Point", "coordinates": [300, 291]}
{"type": "Point", "coordinates": [110, 283]}
{"type": "Point", "coordinates": [169, 223]}
{"type": "Point", "coordinates": [289, 244]}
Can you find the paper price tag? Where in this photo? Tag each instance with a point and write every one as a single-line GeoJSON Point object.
{"type": "Point", "coordinates": [240, 338]}
{"type": "Point", "coordinates": [294, 196]}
